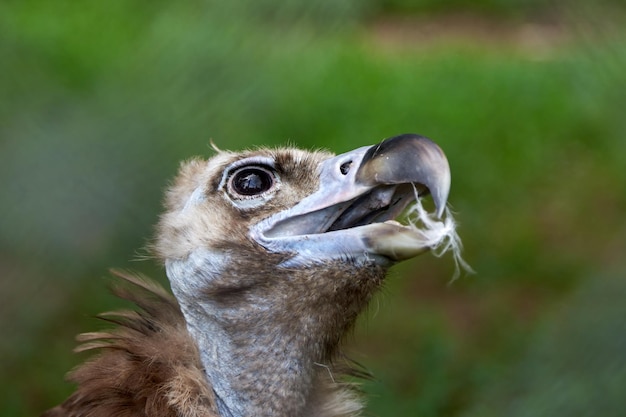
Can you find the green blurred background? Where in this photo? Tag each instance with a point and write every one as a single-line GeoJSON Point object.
{"type": "Point", "coordinates": [99, 100]}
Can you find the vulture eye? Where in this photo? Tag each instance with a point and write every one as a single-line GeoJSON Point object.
{"type": "Point", "coordinates": [250, 181]}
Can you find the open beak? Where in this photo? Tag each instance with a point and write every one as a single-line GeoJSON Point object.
{"type": "Point", "coordinates": [360, 194]}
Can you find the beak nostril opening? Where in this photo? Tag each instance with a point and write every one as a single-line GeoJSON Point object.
{"type": "Point", "coordinates": [345, 167]}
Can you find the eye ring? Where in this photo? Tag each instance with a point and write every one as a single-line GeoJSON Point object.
{"type": "Point", "coordinates": [251, 181]}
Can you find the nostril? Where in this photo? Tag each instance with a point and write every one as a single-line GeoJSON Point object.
{"type": "Point", "coordinates": [345, 167]}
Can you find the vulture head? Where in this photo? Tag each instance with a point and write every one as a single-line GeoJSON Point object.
{"type": "Point", "coordinates": [271, 255]}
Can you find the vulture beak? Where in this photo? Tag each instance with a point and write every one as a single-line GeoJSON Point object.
{"type": "Point", "coordinates": [351, 215]}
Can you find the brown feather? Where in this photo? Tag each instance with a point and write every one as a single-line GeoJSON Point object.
{"type": "Point", "coordinates": [147, 366]}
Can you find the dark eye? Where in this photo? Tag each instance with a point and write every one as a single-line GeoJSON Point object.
{"type": "Point", "coordinates": [250, 181]}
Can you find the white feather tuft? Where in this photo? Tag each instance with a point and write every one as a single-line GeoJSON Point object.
{"type": "Point", "coordinates": [440, 234]}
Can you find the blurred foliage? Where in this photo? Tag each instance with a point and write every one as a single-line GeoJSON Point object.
{"type": "Point", "coordinates": [498, 9]}
{"type": "Point", "coordinates": [100, 100]}
{"type": "Point", "coordinates": [507, 8]}
{"type": "Point", "coordinates": [576, 366]}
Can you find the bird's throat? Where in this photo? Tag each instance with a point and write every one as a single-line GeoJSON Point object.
{"type": "Point", "coordinates": [268, 347]}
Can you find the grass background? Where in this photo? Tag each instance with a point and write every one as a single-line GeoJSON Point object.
{"type": "Point", "coordinates": [100, 100]}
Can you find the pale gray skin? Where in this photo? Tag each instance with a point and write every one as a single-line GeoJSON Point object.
{"type": "Point", "coordinates": [270, 283]}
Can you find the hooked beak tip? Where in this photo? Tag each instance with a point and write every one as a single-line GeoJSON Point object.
{"type": "Point", "coordinates": [405, 159]}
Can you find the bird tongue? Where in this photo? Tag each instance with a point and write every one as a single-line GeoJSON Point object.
{"type": "Point", "coordinates": [381, 204]}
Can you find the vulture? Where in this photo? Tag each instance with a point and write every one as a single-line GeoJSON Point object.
{"type": "Point", "coordinates": [271, 255]}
